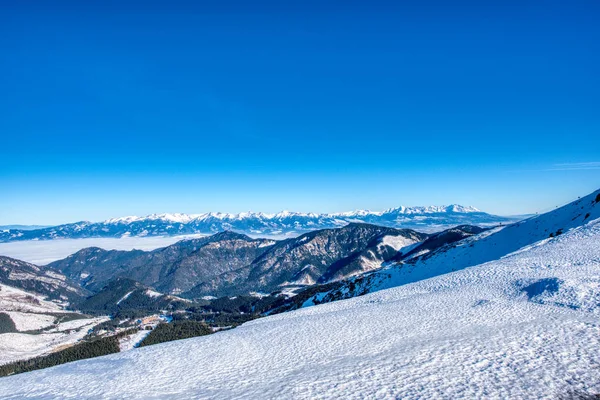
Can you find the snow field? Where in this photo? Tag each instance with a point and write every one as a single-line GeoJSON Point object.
{"type": "Point", "coordinates": [22, 346]}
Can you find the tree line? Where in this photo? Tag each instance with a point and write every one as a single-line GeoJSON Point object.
{"type": "Point", "coordinates": [79, 351]}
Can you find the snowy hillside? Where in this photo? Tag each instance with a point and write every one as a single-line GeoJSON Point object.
{"type": "Point", "coordinates": [41, 326]}
{"type": "Point", "coordinates": [41, 280]}
{"type": "Point", "coordinates": [524, 326]}
{"type": "Point", "coordinates": [487, 246]}
{"type": "Point", "coordinates": [285, 223]}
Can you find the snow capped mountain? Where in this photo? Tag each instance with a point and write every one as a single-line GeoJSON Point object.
{"type": "Point", "coordinates": [183, 218]}
{"type": "Point", "coordinates": [518, 319]}
{"type": "Point", "coordinates": [453, 208]}
{"type": "Point", "coordinates": [180, 218]}
{"type": "Point", "coordinates": [425, 219]}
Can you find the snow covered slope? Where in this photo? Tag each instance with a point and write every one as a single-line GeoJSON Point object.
{"type": "Point", "coordinates": [15, 299]}
{"type": "Point", "coordinates": [41, 280]}
{"type": "Point", "coordinates": [524, 326]}
{"type": "Point", "coordinates": [16, 346]}
{"type": "Point", "coordinates": [41, 326]}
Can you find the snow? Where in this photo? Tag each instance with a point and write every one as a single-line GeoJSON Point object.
{"type": "Point", "coordinates": [176, 217]}
{"type": "Point", "coordinates": [42, 252]}
{"type": "Point", "coordinates": [286, 222]}
{"type": "Point", "coordinates": [291, 291]}
{"type": "Point", "coordinates": [131, 341]}
{"type": "Point", "coordinates": [455, 208]}
{"type": "Point", "coordinates": [452, 208]}
{"type": "Point", "coordinates": [304, 277]}
{"type": "Point", "coordinates": [13, 299]}
{"type": "Point", "coordinates": [30, 321]}
{"type": "Point", "coordinates": [523, 326]}
{"type": "Point", "coordinates": [21, 346]}
{"type": "Point", "coordinates": [78, 323]}
{"type": "Point", "coordinates": [186, 218]}
{"type": "Point", "coordinates": [313, 300]}
{"type": "Point", "coordinates": [258, 294]}
{"type": "Point", "coordinates": [397, 242]}
{"type": "Point", "coordinates": [125, 297]}
{"type": "Point", "coordinates": [153, 293]}
{"type": "Point", "coordinates": [32, 312]}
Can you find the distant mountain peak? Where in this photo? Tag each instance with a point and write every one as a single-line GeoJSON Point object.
{"type": "Point", "coordinates": [463, 209]}
{"type": "Point", "coordinates": [186, 218]}
{"type": "Point", "coordinates": [421, 218]}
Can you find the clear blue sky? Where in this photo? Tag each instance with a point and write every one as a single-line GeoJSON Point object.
{"type": "Point", "coordinates": [119, 108]}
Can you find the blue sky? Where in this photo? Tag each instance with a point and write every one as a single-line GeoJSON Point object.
{"type": "Point", "coordinates": [119, 108]}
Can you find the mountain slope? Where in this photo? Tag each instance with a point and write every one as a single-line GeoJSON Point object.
{"type": "Point", "coordinates": [39, 325]}
{"type": "Point", "coordinates": [124, 294]}
{"type": "Point", "coordinates": [171, 269]}
{"type": "Point", "coordinates": [524, 326]}
{"type": "Point", "coordinates": [40, 280]}
{"type": "Point", "coordinates": [426, 219]}
{"type": "Point", "coordinates": [230, 263]}
{"type": "Point", "coordinates": [486, 246]}
{"type": "Point", "coordinates": [311, 258]}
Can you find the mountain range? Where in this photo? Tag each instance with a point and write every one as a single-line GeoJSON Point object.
{"type": "Point", "coordinates": [424, 219]}
{"type": "Point", "coordinates": [507, 312]}
{"type": "Point", "coordinates": [229, 263]}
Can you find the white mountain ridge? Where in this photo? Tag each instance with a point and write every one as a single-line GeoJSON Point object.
{"type": "Point", "coordinates": [284, 223]}
{"type": "Point", "coordinates": [185, 218]}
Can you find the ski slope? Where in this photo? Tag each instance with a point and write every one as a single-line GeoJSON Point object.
{"type": "Point", "coordinates": [524, 326]}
